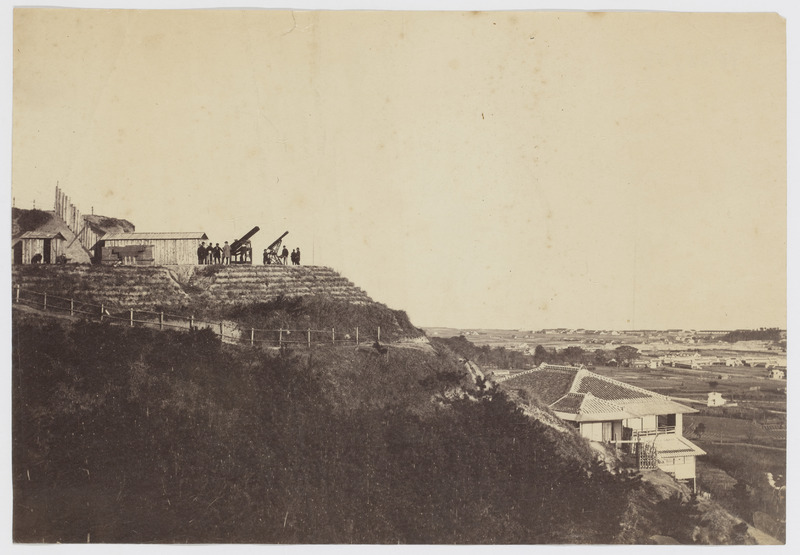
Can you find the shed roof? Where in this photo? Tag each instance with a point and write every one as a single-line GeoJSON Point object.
{"type": "Point", "coordinates": [670, 445]}
{"type": "Point", "coordinates": [38, 235]}
{"type": "Point", "coordinates": [585, 407]}
{"type": "Point", "coordinates": [41, 235]}
{"type": "Point", "coordinates": [155, 236]}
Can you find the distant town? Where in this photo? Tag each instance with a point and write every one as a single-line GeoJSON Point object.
{"type": "Point", "coordinates": [680, 348]}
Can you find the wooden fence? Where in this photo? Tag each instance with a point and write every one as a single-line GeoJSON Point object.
{"type": "Point", "coordinates": [227, 331]}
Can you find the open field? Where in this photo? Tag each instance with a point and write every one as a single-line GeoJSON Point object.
{"type": "Point", "coordinates": [738, 383]}
{"type": "Point", "coordinates": [735, 430]}
{"type": "Point", "coordinates": [759, 414]}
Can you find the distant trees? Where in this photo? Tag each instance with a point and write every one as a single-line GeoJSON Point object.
{"type": "Point", "coordinates": [761, 334]}
{"type": "Point", "coordinates": [506, 358]}
{"type": "Point", "coordinates": [626, 354]}
{"type": "Point", "coordinates": [485, 354]}
{"type": "Point", "coordinates": [540, 355]}
{"type": "Point", "coordinates": [601, 357]}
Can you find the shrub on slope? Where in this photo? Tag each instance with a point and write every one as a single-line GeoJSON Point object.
{"type": "Point", "coordinates": [317, 312]}
{"type": "Point", "coordinates": [129, 435]}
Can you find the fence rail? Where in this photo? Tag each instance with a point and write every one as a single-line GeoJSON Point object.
{"type": "Point", "coordinates": [227, 331]}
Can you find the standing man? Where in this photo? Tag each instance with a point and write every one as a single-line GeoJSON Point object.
{"type": "Point", "coordinates": [226, 253]}
{"type": "Point", "coordinates": [284, 254]}
{"type": "Point", "coordinates": [209, 253]}
{"type": "Point", "coordinates": [217, 253]}
{"type": "Point", "coordinates": [201, 252]}
{"type": "Point", "coordinates": [297, 256]}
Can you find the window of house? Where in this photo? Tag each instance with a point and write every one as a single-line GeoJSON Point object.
{"type": "Point", "coordinates": [666, 420]}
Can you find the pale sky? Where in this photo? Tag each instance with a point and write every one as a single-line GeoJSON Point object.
{"type": "Point", "coordinates": [498, 169]}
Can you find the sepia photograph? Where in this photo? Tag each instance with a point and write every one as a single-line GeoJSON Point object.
{"type": "Point", "coordinates": [406, 275]}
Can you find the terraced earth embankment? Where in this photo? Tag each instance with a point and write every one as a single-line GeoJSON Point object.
{"type": "Point", "coordinates": [266, 297]}
{"type": "Point", "coordinates": [147, 286]}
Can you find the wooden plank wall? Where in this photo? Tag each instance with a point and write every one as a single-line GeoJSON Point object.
{"type": "Point", "coordinates": [165, 251]}
{"type": "Point", "coordinates": [31, 247]}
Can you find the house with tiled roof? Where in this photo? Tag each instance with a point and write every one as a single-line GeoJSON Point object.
{"type": "Point", "coordinates": [612, 412]}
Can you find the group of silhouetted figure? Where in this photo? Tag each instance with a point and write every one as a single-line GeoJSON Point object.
{"type": "Point", "coordinates": [214, 254]}
{"type": "Point", "coordinates": [271, 256]}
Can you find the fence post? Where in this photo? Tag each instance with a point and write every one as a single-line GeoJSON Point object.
{"type": "Point", "coordinates": [102, 311]}
{"type": "Point", "coordinates": [333, 336]}
{"type": "Point", "coordinates": [356, 336]}
{"type": "Point", "coordinates": [252, 333]}
{"type": "Point", "coordinates": [44, 306]}
{"type": "Point", "coordinates": [280, 338]}
{"type": "Point", "coordinates": [221, 334]}
{"type": "Point", "coordinates": [72, 307]}
{"type": "Point", "coordinates": [191, 322]}
{"type": "Point", "coordinates": [18, 292]}
{"type": "Point", "coordinates": [309, 338]}
{"type": "Point", "coordinates": [161, 320]}
{"type": "Point", "coordinates": [379, 334]}
{"type": "Point", "coordinates": [131, 317]}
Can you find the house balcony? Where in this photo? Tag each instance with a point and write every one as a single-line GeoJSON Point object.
{"type": "Point", "coordinates": [658, 431]}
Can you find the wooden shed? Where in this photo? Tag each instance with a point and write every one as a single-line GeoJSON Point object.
{"type": "Point", "coordinates": [150, 248]}
{"type": "Point", "coordinates": [38, 247]}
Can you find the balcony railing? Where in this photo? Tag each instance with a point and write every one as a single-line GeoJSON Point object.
{"type": "Point", "coordinates": [659, 430]}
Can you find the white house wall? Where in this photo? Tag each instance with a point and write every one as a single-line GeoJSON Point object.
{"type": "Point", "coordinates": [649, 422]}
{"type": "Point", "coordinates": [682, 467]}
{"type": "Point", "coordinates": [592, 431]}
{"type": "Point", "coordinates": [601, 431]}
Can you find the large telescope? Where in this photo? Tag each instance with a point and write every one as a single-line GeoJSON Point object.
{"type": "Point", "coordinates": [238, 248]}
{"type": "Point", "coordinates": [273, 256]}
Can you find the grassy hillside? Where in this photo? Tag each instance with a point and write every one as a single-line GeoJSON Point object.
{"type": "Point", "coordinates": [23, 220]}
{"type": "Point", "coordinates": [130, 435]}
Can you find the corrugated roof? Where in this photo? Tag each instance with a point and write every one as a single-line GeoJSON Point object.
{"type": "Point", "coordinates": [594, 405]}
{"type": "Point", "coordinates": [41, 235]}
{"type": "Point", "coordinates": [157, 235]}
{"type": "Point", "coordinates": [655, 405]}
{"type": "Point", "coordinates": [671, 445]}
{"type": "Point", "coordinates": [582, 407]}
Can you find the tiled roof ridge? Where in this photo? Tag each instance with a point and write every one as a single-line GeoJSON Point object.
{"type": "Point", "coordinates": [542, 366]}
{"type": "Point", "coordinates": [566, 395]}
{"type": "Point", "coordinates": [586, 373]}
{"type": "Point", "coordinates": [506, 378]}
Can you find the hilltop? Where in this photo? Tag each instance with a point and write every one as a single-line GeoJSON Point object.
{"type": "Point", "coordinates": [243, 296]}
{"type": "Point", "coordinates": [130, 434]}
{"type": "Point", "coordinates": [23, 220]}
